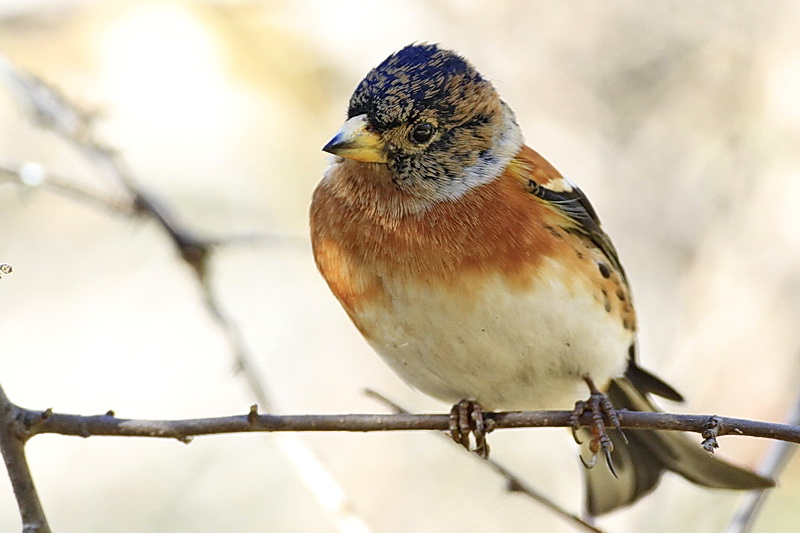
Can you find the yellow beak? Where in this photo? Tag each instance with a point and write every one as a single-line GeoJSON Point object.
{"type": "Point", "coordinates": [356, 141]}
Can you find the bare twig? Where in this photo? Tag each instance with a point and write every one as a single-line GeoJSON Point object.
{"type": "Point", "coordinates": [109, 425]}
{"type": "Point", "coordinates": [12, 445]}
{"type": "Point", "coordinates": [33, 422]}
{"type": "Point", "coordinates": [47, 105]}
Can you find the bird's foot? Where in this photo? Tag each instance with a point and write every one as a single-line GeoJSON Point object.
{"type": "Point", "coordinates": [599, 406]}
{"type": "Point", "coordinates": [466, 417]}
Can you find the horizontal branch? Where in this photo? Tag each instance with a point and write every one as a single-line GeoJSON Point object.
{"type": "Point", "coordinates": [38, 422]}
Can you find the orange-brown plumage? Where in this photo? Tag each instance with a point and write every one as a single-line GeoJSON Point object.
{"type": "Point", "coordinates": [497, 227]}
{"type": "Point", "coordinates": [492, 227]}
{"type": "Point", "coordinates": [477, 271]}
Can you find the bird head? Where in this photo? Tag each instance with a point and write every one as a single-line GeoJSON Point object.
{"type": "Point", "coordinates": [427, 114]}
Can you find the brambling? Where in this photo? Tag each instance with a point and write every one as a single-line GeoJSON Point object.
{"type": "Point", "coordinates": [479, 272]}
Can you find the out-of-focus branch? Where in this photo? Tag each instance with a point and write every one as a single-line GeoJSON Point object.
{"type": "Point", "coordinates": [513, 482]}
{"type": "Point", "coordinates": [12, 446]}
{"type": "Point", "coordinates": [775, 461]}
{"type": "Point", "coordinates": [55, 112]}
{"type": "Point", "coordinates": [34, 176]}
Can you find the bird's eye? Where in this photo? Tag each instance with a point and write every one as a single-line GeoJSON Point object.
{"type": "Point", "coordinates": [422, 132]}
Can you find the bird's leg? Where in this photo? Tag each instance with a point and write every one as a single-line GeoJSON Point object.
{"type": "Point", "coordinates": [466, 417]}
{"type": "Point", "coordinates": [598, 405]}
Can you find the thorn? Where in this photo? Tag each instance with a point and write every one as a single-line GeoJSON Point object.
{"type": "Point", "coordinates": [252, 416]}
{"type": "Point", "coordinates": [38, 418]}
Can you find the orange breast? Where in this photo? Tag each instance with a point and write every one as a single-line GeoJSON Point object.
{"type": "Point", "coordinates": [365, 230]}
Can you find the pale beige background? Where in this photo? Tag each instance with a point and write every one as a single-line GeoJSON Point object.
{"type": "Point", "coordinates": [680, 119]}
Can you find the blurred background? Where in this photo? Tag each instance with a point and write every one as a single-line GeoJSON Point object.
{"type": "Point", "coordinates": [679, 119]}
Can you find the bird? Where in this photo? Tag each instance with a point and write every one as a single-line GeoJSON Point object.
{"type": "Point", "coordinates": [482, 276]}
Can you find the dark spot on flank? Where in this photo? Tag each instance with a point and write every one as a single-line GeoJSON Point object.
{"type": "Point", "coordinates": [579, 254]}
{"type": "Point", "coordinates": [606, 301]}
{"type": "Point", "coordinates": [604, 270]}
{"type": "Point", "coordinates": [620, 295]}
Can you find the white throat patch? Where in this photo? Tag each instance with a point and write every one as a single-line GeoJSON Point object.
{"type": "Point", "coordinates": [492, 163]}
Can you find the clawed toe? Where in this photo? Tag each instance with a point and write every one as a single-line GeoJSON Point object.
{"type": "Point", "coordinates": [575, 423]}
{"type": "Point", "coordinates": [466, 417]}
{"type": "Point", "coordinates": [598, 406]}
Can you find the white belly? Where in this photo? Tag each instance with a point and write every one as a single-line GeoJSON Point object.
{"type": "Point", "coordinates": [508, 349]}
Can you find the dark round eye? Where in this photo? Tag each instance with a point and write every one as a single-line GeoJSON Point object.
{"type": "Point", "coordinates": [422, 132]}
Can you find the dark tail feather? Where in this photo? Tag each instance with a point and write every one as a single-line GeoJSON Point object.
{"type": "Point", "coordinates": [646, 382]}
{"type": "Point", "coordinates": [640, 463]}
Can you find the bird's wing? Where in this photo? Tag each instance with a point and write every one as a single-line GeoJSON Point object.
{"type": "Point", "coordinates": [575, 213]}
{"type": "Point", "coordinates": [562, 197]}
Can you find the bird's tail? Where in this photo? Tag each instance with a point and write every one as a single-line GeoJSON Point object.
{"type": "Point", "coordinates": [640, 462]}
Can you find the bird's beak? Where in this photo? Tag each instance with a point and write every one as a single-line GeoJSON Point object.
{"type": "Point", "coordinates": [356, 141]}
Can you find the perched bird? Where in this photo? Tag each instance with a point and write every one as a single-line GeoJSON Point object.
{"type": "Point", "coordinates": [478, 272]}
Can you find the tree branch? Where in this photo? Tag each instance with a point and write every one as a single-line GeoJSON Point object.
{"type": "Point", "coordinates": [12, 445]}
{"type": "Point", "coordinates": [33, 422]}
{"type": "Point", "coordinates": [33, 175]}
{"type": "Point", "coordinates": [37, 422]}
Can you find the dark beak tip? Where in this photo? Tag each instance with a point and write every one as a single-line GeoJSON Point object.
{"type": "Point", "coordinates": [332, 145]}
